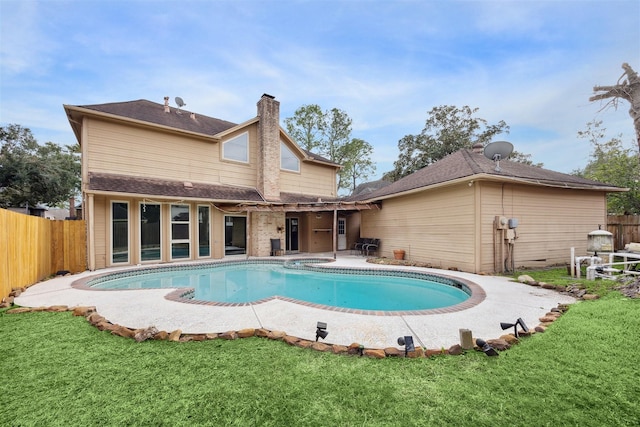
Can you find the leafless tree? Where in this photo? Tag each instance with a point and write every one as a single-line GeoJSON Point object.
{"type": "Point", "coordinates": [628, 88]}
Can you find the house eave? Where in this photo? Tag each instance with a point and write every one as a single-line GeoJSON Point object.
{"type": "Point", "coordinates": [302, 207]}
{"type": "Point", "coordinates": [161, 198]}
{"type": "Point", "coordinates": [498, 178]}
{"type": "Point", "coordinates": [229, 131]}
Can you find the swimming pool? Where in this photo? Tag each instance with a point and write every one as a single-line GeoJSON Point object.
{"type": "Point", "coordinates": [299, 281]}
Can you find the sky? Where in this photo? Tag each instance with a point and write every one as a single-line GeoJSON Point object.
{"type": "Point", "coordinates": [385, 63]}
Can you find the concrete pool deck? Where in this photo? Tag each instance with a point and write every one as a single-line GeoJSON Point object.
{"type": "Point", "coordinates": [505, 301]}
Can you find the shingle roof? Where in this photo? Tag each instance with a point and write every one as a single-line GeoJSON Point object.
{"type": "Point", "coordinates": [466, 163]}
{"type": "Point", "coordinates": [305, 198]}
{"type": "Point", "coordinates": [158, 187]}
{"type": "Point", "coordinates": [153, 112]}
{"type": "Point", "coordinates": [319, 158]}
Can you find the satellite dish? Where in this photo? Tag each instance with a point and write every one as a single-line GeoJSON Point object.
{"type": "Point", "coordinates": [180, 102]}
{"type": "Point", "coordinates": [498, 150]}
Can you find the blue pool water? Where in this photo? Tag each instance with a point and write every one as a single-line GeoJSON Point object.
{"type": "Point", "coordinates": [244, 283]}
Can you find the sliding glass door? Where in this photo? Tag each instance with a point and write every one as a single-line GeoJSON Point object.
{"type": "Point", "coordinates": [180, 244]}
{"type": "Point", "coordinates": [119, 232]}
{"type": "Point", "coordinates": [150, 232]}
{"type": "Point", "coordinates": [204, 232]}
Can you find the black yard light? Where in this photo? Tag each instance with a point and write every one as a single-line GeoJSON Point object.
{"type": "Point", "coordinates": [407, 342]}
{"type": "Point", "coordinates": [486, 348]}
{"type": "Point", "coordinates": [321, 330]}
{"type": "Point", "coordinates": [520, 322]}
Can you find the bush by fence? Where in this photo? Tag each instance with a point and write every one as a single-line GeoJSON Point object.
{"type": "Point", "coordinates": [34, 248]}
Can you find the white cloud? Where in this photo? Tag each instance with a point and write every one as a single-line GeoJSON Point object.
{"type": "Point", "coordinates": [386, 64]}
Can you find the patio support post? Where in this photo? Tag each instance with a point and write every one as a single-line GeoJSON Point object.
{"type": "Point", "coordinates": [335, 231]}
{"type": "Point", "coordinates": [91, 243]}
{"type": "Point", "coordinates": [248, 244]}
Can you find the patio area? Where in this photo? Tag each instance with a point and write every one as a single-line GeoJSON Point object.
{"type": "Point", "coordinates": [505, 301]}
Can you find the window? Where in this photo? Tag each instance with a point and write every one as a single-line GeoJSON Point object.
{"type": "Point", "coordinates": [119, 232]}
{"type": "Point", "coordinates": [180, 232]}
{"type": "Point", "coordinates": [236, 148]}
{"type": "Point", "coordinates": [288, 160]}
{"type": "Point", "coordinates": [150, 232]}
{"type": "Point", "coordinates": [204, 231]}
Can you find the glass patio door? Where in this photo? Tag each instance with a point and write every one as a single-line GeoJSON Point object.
{"type": "Point", "coordinates": [292, 234]}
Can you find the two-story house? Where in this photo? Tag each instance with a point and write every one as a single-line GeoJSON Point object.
{"type": "Point", "coordinates": [161, 184]}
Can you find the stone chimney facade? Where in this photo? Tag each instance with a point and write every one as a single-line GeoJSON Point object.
{"type": "Point", "coordinates": [269, 148]}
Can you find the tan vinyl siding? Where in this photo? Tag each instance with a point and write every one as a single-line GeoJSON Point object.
{"type": "Point", "coordinates": [313, 179]}
{"type": "Point", "coordinates": [550, 222]}
{"type": "Point", "coordinates": [128, 150]}
{"type": "Point", "coordinates": [435, 227]}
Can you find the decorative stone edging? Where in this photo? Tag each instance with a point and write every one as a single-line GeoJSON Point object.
{"type": "Point", "coordinates": [574, 290]}
{"type": "Point", "coordinates": [90, 313]}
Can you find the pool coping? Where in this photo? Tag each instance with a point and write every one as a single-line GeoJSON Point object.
{"type": "Point", "coordinates": [185, 295]}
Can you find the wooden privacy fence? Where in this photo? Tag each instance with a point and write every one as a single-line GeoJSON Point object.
{"type": "Point", "coordinates": [625, 229]}
{"type": "Point", "coordinates": [33, 248]}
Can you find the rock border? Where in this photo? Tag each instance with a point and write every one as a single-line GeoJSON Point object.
{"type": "Point", "coordinates": [90, 313]}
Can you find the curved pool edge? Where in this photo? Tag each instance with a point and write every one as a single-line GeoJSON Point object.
{"type": "Point", "coordinates": [185, 295]}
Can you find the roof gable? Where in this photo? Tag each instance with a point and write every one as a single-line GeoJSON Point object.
{"type": "Point", "coordinates": [466, 164]}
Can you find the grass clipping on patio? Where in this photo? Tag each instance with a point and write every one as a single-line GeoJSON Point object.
{"type": "Point", "coordinates": [59, 370]}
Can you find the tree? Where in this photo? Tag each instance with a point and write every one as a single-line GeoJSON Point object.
{"type": "Point", "coordinates": [356, 163]}
{"type": "Point", "coordinates": [328, 133]}
{"type": "Point", "coordinates": [31, 174]}
{"type": "Point", "coordinates": [519, 157]}
{"type": "Point", "coordinates": [628, 88]}
{"type": "Point", "coordinates": [337, 133]}
{"type": "Point", "coordinates": [611, 163]}
{"type": "Point", "coordinates": [447, 129]}
{"type": "Point", "coordinates": [306, 126]}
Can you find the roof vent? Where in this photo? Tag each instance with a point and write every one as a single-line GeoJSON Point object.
{"type": "Point", "coordinates": [477, 147]}
{"type": "Point", "coordinates": [166, 105]}
{"type": "Point", "coordinates": [188, 185]}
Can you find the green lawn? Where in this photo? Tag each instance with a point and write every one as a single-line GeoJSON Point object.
{"type": "Point", "coordinates": [59, 370]}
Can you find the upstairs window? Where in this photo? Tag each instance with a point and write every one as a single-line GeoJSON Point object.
{"type": "Point", "coordinates": [288, 160]}
{"type": "Point", "coordinates": [237, 148]}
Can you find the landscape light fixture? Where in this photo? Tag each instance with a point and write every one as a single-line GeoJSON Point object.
{"type": "Point", "coordinates": [486, 348]}
{"type": "Point", "coordinates": [407, 342]}
{"type": "Point", "coordinates": [321, 330]}
{"type": "Point", "coordinates": [520, 322]}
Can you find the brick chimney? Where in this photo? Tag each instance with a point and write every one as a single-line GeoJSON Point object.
{"type": "Point", "coordinates": [269, 147]}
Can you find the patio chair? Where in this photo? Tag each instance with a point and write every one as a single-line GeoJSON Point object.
{"type": "Point", "coordinates": [276, 248]}
{"type": "Point", "coordinates": [357, 246]}
{"type": "Point", "coordinates": [371, 248]}
{"type": "Point", "coordinates": [360, 246]}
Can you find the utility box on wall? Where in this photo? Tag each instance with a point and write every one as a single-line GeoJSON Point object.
{"type": "Point", "coordinates": [501, 223]}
